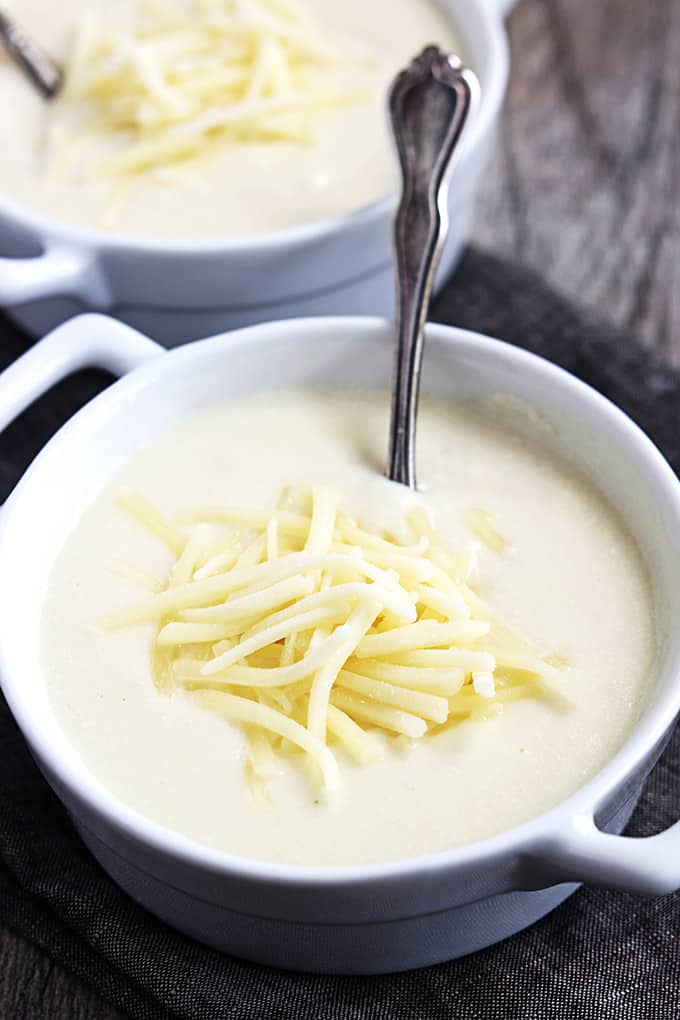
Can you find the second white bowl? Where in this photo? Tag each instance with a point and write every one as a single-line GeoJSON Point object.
{"type": "Point", "coordinates": [181, 291]}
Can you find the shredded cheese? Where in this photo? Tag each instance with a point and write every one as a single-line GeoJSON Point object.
{"type": "Point", "coordinates": [483, 524]}
{"type": "Point", "coordinates": [168, 85]}
{"type": "Point", "coordinates": [315, 633]}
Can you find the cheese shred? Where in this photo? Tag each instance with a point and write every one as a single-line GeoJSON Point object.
{"type": "Point", "coordinates": [167, 85]}
{"type": "Point", "coordinates": [316, 634]}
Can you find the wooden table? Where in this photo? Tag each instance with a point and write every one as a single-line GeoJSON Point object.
{"type": "Point", "coordinates": [586, 181]}
{"type": "Point", "coordinates": [585, 187]}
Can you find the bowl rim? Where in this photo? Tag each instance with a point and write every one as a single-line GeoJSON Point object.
{"type": "Point", "coordinates": [648, 731]}
{"type": "Point", "coordinates": [60, 232]}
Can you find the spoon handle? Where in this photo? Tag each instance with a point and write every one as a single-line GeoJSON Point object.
{"type": "Point", "coordinates": [429, 105]}
{"type": "Point", "coordinates": [40, 68]}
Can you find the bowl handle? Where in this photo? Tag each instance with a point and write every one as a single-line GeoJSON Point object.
{"type": "Point", "coordinates": [583, 853]}
{"type": "Point", "coordinates": [58, 271]}
{"type": "Point", "coordinates": [88, 341]}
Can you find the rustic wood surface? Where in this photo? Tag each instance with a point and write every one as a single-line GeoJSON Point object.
{"type": "Point", "coordinates": [586, 181]}
{"type": "Point", "coordinates": [586, 188]}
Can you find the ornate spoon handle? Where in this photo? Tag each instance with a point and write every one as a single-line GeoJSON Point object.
{"type": "Point", "coordinates": [429, 106]}
{"type": "Point", "coordinates": [40, 68]}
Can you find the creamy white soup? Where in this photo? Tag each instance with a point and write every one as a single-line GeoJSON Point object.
{"type": "Point", "coordinates": [57, 157]}
{"type": "Point", "coordinates": [571, 581]}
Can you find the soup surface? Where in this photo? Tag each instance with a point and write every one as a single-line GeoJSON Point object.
{"type": "Point", "coordinates": [246, 188]}
{"type": "Point", "coordinates": [574, 583]}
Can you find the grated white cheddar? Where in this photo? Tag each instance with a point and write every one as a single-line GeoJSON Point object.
{"type": "Point", "coordinates": [316, 633]}
{"type": "Point", "coordinates": [483, 524]}
{"type": "Point", "coordinates": [169, 85]}
{"type": "Point", "coordinates": [484, 684]}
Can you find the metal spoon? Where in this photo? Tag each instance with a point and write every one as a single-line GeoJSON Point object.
{"type": "Point", "coordinates": [35, 63]}
{"type": "Point", "coordinates": [429, 105]}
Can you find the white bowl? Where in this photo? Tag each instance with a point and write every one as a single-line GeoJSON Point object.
{"type": "Point", "coordinates": [179, 291]}
{"type": "Point", "coordinates": [347, 920]}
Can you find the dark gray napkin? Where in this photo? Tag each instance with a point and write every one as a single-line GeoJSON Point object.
{"type": "Point", "coordinates": [603, 955]}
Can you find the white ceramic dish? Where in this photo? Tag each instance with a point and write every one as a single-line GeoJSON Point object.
{"type": "Point", "coordinates": [367, 919]}
{"type": "Point", "coordinates": [180, 291]}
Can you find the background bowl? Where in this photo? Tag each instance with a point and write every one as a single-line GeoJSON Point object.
{"type": "Point", "coordinates": [180, 291]}
{"type": "Point", "coordinates": [368, 919]}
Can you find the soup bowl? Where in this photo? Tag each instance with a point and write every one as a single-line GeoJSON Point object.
{"type": "Point", "coordinates": [178, 291]}
{"type": "Point", "coordinates": [368, 919]}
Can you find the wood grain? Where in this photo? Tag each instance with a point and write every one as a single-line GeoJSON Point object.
{"type": "Point", "coordinates": [586, 182]}
{"type": "Point", "coordinates": [585, 187]}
